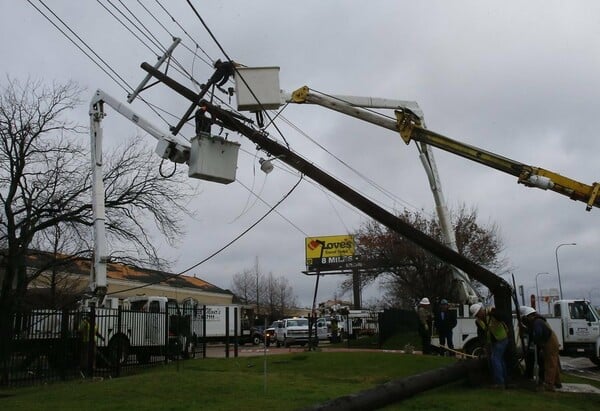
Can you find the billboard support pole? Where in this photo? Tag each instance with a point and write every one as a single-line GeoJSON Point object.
{"type": "Point", "coordinates": [356, 286]}
{"type": "Point", "coordinates": [313, 317]}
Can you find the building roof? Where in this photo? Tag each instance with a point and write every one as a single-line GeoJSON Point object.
{"type": "Point", "coordinates": [118, 271]}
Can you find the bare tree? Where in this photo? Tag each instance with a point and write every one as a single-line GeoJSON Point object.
{"type": "Point", "coordinates": [45, 187]}
{"type": "Point", "coordinates": [244, 286]}
{"type": "Point", "coordinates": [275, 293]}
{"type": "Point", "coordinates": [286, 296]}
{"type": "Point", "coordinates": [407, 272]}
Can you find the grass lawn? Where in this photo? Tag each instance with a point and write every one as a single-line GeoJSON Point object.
{"type": "Point", "coordinates": [289, 382]}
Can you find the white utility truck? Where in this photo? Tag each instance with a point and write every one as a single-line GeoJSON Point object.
{"type": "Point", "coordinates": [295, 331]}
{"type": "Point", "coordinates": [575, 322]}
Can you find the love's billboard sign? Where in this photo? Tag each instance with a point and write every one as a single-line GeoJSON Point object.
{"type": "Point", "coordinates": [330, 252]}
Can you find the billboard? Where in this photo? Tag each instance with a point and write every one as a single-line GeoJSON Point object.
{"type": "Point", "coordinates": [329, 253]}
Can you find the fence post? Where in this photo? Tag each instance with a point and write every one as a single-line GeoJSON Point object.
{"type": "Point", "coordinates": [120, 314]}
{"type": "Point", "coordinates": [226, 332]}
{"type": "Point", "coordinates": [7, 317]}
{"type": "Point", "coordinates": [204, 331]}
{"type": "Point", "coordinates": [166, 331]}
{"type": "Point", "coordinates": [236, 332]}
{"type": "Point", "coordinates": [64, 342]}
{"type": "Point", "coordinates": [91, 342]}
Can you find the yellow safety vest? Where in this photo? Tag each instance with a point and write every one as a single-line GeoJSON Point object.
{"type": "Point", "coordinates": [493, 327]}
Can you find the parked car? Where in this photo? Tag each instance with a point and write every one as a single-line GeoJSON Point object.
{"type": "Point", "coordinates": [269, 333]}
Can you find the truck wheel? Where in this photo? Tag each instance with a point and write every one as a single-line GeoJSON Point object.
{"type": "Point", "coordinates": [474, 348]}
{"type": "Point", "coordinates": [278, 344]}
{"type": "Point", "coordinates": [118, 350]}
{"type": "Point", "coordinates": [255, 340]}
{"type": "Point", "coordinates": [595, 360]}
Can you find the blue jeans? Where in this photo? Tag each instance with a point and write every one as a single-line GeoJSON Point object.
{"type": "Point", "coordinates": [497, 360]}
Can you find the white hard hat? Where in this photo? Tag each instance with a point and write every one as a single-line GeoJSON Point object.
{"type": "Point", "coordinates": [474, 309]}
{"type": "Point", "coordinates": [525, 310]}
{"type": "Point", "coordinates": [425, 301]}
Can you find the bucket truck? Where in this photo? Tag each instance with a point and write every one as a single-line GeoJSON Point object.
{"type": "Point", "coordinates": [208, 157]}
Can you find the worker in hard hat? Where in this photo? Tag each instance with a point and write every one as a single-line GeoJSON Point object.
{"type": "Point", "coordinates": [425, 322]}
{"type": "Point", "coordinates": [542, 335]}
{"type": "Point", "coordinates": [494, 333]}
{"type": "Point", "coordinates": [445, 321]}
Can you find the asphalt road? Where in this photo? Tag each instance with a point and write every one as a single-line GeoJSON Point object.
{"type": "Point", "coordinates": [581, 367]}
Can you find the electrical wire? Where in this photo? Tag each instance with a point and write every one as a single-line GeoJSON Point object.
{"type": "Point", "coordinates": [154, 107]}
{"type": "Point", "coordinates": [269, 205]}
{"type": "Point", "coordinates": [245, 208]}
{"type": "Point", "coordinates": [173, 36]}
{"type": "Point", "coordinates": [108, 70]}
{"type": "Point", "coordinates": [185, 32]}
{"type": "Point", "coordinates": [115, 76]}
{"type": "Point", "coordinates": [149, 36]}
{"type": "Point", "coordinates": [125, 25]}
{"type": "Point", "coordinates": [220, 249]}
{"type": "Point", "coordinates": [209, 31]}
{"type": "Point", "coordinates": [380, 188]}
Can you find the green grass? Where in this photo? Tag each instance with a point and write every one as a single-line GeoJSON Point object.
{"type": "Point", "coordinates": [292, 381]}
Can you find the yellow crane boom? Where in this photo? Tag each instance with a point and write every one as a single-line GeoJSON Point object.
{"type": "Point", "coordinates": [409, 126]}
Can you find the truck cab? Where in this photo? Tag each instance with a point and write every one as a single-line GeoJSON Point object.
{"type": "Point", "coordinates": [295, 331]}
{"type": "Point", "coordinates": [580, 326]}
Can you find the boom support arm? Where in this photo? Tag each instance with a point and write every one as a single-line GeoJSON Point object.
{"type": "Point", "coordinates": [172, 147]}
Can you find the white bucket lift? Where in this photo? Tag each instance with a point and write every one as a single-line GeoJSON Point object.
{"type": "Point", "coordinates": [257, 88]}
{"type": "Point", "coordinates": [213, 158]}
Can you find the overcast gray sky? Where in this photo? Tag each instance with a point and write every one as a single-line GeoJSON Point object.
{"type": "Point", "coordinates": [516, 78]}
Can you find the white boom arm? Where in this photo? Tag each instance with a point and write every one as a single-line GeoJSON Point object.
{"type": "Point", "coordinates": [354, 106]}
{"type": "Point", "coordinates": [169, 147]}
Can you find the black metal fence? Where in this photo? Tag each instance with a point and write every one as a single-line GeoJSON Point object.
{"type": "Point", "coordinates": [393, 321]}
{"type": "Point", "coordinates": [52, 345]}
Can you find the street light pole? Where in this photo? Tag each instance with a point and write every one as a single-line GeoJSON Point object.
{"type": "Point", "coordinates": [558, 267]}
{"type": "Point", "coordinates": [537, 289]}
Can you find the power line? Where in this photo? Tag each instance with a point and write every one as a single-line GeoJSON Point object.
{"type": "Point", "coordinates": [220, 249]}
{"type": "Point", "coordinates": [125, 25]}
{"type": "Point", "coordinates": [118, 78]}
{"type": "Point", "coordinates": [173, 36]}
{"type": "Point", "coordinates": [383, 190]}
{"type": "Point", "coordinates": [184, 31]}
{"type": "Point", "coordinates": [156, 40]}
